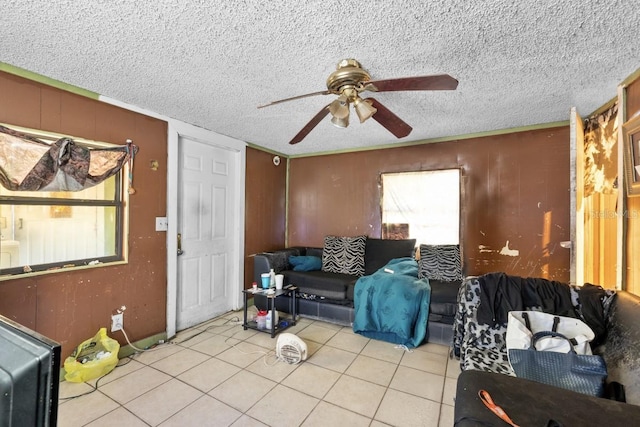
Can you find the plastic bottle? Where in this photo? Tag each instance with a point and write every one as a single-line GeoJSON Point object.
{"type": "Point", "coordinates": [270, 320]}
{"type": "Point", "coordinates": [272, 280]}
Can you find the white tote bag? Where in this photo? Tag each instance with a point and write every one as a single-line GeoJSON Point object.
{"type": "Point", "coordinates": [519, 333]}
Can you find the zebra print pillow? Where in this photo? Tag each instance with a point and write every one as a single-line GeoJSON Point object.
{"type": "Point", "coordinates": [440, 262]}
{"type": "Point", "coordinates": [344, 255]}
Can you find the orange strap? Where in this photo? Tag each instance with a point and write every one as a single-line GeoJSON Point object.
{"type": "Point", "coordinates": [485, 397]}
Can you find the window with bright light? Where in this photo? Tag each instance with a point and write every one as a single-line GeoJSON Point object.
{"type": "Point", "coordinates": [423, 205]}
{"type": "Point", "coordinates": [42, 231]}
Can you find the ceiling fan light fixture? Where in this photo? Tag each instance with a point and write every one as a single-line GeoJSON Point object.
{"type": "Point", "coordinates": [348, 81]}
{"type": "Point", "coordinates": [364, 109]}
{"type": "Point", "coordinates": [341, 122]}
{"type": "Point", "coordinates": [340, 107]}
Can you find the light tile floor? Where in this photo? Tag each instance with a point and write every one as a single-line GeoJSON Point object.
{"type": "Point", "coordinates": [217, 374]}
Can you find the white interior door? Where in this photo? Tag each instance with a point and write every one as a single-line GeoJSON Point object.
{"type": "Point", "coordinates": [235, 275]}
{"type": "Point", "coordinates": [206, 268]}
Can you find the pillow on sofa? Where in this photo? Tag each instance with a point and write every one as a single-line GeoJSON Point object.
{"type": "Point", "coordinates": [440, 262]}
{"type": "Point", "coordinates": [305, 263]}
{"type": "Point", "coordinates": [279, 259]}
{"type": "Point", "coordinates": [344, 255]}
{"type": "Point", "coordinates": [378, 252]}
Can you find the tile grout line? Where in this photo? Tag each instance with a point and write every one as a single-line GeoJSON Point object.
{"type": "Point", "coordinates": [211, 328]}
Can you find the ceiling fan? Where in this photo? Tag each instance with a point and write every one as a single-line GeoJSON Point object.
{"type": "Point", "coordinates": [349, 81]}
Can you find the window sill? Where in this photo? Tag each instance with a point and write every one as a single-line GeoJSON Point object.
{"type": "Point", "coordinates": [61, 269]}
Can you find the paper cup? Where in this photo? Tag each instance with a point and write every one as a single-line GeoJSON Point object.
{"type": "Point", "coordinates": [279, 281]}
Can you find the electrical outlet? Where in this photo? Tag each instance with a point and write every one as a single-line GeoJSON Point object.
{"type": "Point", "coordinates": [117, 322]}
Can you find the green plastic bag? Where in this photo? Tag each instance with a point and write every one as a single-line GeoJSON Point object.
{"type": "Point", "coordinates": [93, 358]}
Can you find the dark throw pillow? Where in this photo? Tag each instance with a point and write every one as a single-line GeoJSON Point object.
{"type": "Point", "coordinates": [305, 263]}
{"type": "Point", "coordinates": [344, 255]}
{"type": "Point", "coordinates": [279, 259]}
{"type": "Point", "coordinates": [440, 262]}
{"type": "Point", "coordinates": [378, 252]}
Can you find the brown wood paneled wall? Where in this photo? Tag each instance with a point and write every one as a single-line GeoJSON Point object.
{"type": "Point", "coordinates": [632, 217]}
{"type": "Point", "coordinates": [515, 196]}
{"type": "Point", "coordinates": [265, 199]}
{"type": "Point", "coordinates": [70, 306]}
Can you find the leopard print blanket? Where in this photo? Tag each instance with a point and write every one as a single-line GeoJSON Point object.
{"type": "Point", "coordinates": [483, 347]}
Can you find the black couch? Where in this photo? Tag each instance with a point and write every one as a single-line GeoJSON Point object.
{"type": "Point", "coordinates": [529, 403]}
{"type": "Point", "coordinates": [328, 296]}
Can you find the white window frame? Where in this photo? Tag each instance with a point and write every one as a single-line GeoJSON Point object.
{"type": "Point", "coordinates": [120, 202]}
{"type": "Point", "coordinates": [428, 201]}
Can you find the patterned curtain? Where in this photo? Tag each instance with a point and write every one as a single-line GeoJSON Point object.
{"type": "Point", "coordinates": [601, 152]}
{"type": "Point", "coordinates": [30, 164]}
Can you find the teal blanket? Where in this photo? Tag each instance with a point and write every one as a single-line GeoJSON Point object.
{"type": "Point", "coordinates": [392, 304]}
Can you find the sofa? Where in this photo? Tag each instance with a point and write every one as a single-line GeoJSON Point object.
{"type": "Point", "coordinates": [484, 364]}
{"type": "Point", "coordinates": [326, 289]}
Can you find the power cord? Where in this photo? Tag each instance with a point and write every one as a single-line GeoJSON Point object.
{"type": "Point", "coordinates": [234, 320]}
{"type": "Point", "coordinates": [403, 348]}
{"type": "Point", "coordinates": [129, 358]}
{"type": "Point", "coordinates": [95, 387]}
{"type": "Point", "coordinates": [266, 354]}
{"type": "Point", "coordinates": [133, 346]}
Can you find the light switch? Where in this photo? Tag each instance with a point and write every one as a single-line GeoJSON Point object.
{"type": "Point", "coordinates": [161, 223]}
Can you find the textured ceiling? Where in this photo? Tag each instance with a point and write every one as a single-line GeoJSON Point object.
{"type": "Point", "coordinates": [212, 63]}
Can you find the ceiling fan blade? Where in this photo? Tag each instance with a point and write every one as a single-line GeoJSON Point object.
{"type": "Point", "coordinates": [435, 82]}
{"type": "Point", "coordinates": [309, 126]}
{"type": "Point", "coordinates": [390, 121]}
{"type": "Point", "coordinates": [323, 92]}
